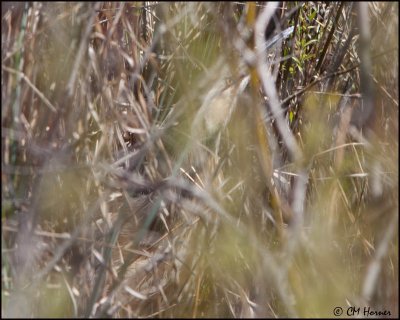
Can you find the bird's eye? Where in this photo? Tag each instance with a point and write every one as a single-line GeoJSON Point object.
{"type": "Point", "coordinates": [228, 81]}
{"type": "Point", "coordinates": [127, 136]}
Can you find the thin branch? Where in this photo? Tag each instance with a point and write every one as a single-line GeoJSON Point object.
{"type": "Point", "coordinates": [317, 80]}
{"type": "Point", "coordinates": [374, 268]}
{"type": "Point", "coordinates": [36, 90]}
{"type": "Point", "coordinates": [269, 85]}
{"type": "Point", "coordinates": [82, 50]}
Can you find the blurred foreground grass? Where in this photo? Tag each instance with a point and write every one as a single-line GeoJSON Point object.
{"type": "Point", "coordinates": [158, 162]}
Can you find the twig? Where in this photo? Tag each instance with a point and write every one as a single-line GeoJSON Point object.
{"type": "Point", "coordinates": [81, 50]}
{"type": "Point", "coordinates": [269, 85]}
{"type": "Point", "coordinates": [36, 90]}
{"type": "Point", "coordinates": [375, 266]}
{"type": "Point", "coordinates": [315, 81]}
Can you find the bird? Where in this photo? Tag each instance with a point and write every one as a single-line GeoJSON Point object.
{"type": "Point", "coordinates": [219, 104]}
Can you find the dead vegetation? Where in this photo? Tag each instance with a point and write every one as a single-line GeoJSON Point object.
{"type": "Point", "coordinates": [199, 159]}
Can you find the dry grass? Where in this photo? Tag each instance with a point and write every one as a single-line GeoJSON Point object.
{"type": "Point", "coordinates": [188, 160]}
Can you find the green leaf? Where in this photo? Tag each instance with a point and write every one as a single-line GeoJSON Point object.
{"type": "Point", "coordinates": [297, 61]}
{"type": "Point", "coordinates": [310, 42]}
{"type": "Point", "coordinates": [312, 15]}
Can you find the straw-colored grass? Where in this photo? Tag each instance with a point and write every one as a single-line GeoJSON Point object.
{"type": "Point", "coordinates": [199, 159]}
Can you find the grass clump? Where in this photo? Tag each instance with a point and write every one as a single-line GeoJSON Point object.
{"type": "Point", "coordinates": [199, 159]}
